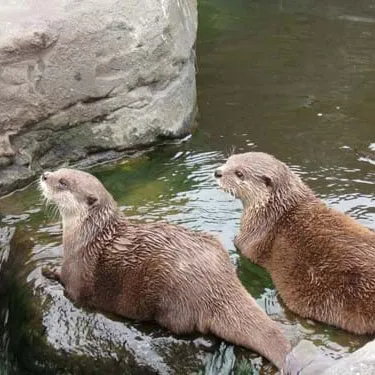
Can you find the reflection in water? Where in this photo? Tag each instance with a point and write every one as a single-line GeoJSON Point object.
{"type": "Point", "coordinates": [293, 78]}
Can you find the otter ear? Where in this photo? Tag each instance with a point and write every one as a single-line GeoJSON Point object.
{"type": "Point", "coordinates": [91, 199]}
{"type": "Point", "coordinates": [267, 181]}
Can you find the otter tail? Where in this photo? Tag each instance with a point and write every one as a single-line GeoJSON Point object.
{"type": "Point", "coordinates": [244, 323]}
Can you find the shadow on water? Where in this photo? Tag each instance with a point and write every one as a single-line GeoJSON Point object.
{"type": "Point", "coordinates": [294, 78]}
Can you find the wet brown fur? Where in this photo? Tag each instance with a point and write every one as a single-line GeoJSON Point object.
{"type": "Point", "coordinates": [321, 261]}
{"type": "Point", "coordinates": [183, 280]}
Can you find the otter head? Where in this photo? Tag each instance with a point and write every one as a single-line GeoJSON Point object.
{"type": "Point", "coordinates": [258, 179]}
{"type": "Point", "coordinates": [75, 193]}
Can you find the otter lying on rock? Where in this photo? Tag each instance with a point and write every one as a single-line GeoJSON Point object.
{"type": "Point", "coordinates": [321, 261]}
{"type": "Point", "coordinates": [182, 279]}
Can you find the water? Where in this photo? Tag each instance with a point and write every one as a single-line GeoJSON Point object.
{"type": "Point", "coordinates": [293, 78]}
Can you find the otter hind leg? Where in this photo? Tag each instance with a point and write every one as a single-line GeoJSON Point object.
{"type": "Point", "coordinates": [178, 320]}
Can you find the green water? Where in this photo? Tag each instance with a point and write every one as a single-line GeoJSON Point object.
{"type": "Point", "coordinates": [293, 78]}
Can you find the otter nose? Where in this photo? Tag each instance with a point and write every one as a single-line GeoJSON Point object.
{"type": "Point", "coordinates": [218, 173]}
{"type": "Point", "coordinates": [45, 175]}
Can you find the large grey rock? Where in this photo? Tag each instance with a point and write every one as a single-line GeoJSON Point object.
{"type": "Point", "coordinates": [310, 361]}
{"type": "Point", "coordinates": [305, 359]}
{"type": "Point", "coordinates": [361, 362]}
{"type": "Point", "coordinates": [79, 77]}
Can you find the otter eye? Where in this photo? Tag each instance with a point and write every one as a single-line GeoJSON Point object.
{"type": "Point", "coordinates": [91, 200]}
{"type": "Point", "coordinates": [239, 174]}
{"type": "Point", "coordinates": [63, 184]}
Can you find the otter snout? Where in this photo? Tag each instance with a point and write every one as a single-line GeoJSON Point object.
{"type": "Point", "coordinates": [45, 176]}
{"type": "Point", "coordinates": [218, 173]}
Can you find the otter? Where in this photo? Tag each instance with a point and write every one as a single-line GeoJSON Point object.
{"type": "Point", "coordinates": [181, 279]}
{"type": "Point", "coordinates": [321, 261]}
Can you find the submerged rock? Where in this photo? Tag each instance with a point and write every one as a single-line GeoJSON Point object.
{"type": "Point", "coordinates": [84, 77]}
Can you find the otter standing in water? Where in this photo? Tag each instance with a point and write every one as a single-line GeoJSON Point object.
{"type": "Point", "coordinates": [183, 280]}
{"type": "Point", "coordinates": [321, 261]}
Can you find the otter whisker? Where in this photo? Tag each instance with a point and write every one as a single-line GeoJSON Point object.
{"type": "Point", "coordinates": [232, 150]}
{"type": "Point", "coordinates": [55, 213]}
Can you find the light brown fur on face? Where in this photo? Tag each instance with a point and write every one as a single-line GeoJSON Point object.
{"type": "Point", "coordinates": [321, 261]}
{"type": "Point", "coordinates": [184, 280]}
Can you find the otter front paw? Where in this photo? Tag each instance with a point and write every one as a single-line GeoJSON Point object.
{"type": "Point", "coordinates": [52, 273]}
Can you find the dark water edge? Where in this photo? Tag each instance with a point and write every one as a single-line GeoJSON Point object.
{"type": "Point", "coordinates": [293, 78]}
